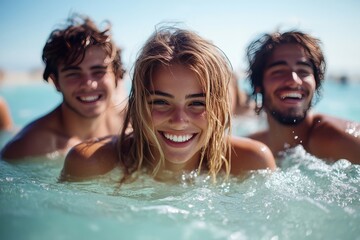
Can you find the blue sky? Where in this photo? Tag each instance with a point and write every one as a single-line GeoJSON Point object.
{"type": "Point", "coordinates": [230, 24]}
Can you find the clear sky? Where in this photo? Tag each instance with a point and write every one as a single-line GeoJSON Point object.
{"type": "Point", "coordinates": [230, 24]}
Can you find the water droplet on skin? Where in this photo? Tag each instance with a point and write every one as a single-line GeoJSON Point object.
{"type": "Point", "coordinates": [353, 129]}
{"type": "Point", "coordinates": [263, 149]}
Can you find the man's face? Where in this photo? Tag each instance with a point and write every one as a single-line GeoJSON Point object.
{"type": "Point", "coordinates": [289, 84]}
{"type": "Point", "coordinates": [87, 88]}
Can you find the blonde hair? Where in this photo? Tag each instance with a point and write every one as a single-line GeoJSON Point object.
{"type": "Point", "coordinates": [168, 46]}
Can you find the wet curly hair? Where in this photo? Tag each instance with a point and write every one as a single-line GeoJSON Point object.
{"type": "Point", "coordinates": [69, 44]}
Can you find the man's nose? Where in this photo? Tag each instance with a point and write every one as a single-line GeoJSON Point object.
{"type": "Point", "coordinates": [89, 81]}
{"type": "Point", "coordinates": [295, 77]}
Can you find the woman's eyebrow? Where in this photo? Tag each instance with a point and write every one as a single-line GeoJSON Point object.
{"type": "Point", "coordinates": [156, 92]}
{"type": "Point", "coordinates": [164, 94]}
{"type": "Point", "coordinates": [196, 95]}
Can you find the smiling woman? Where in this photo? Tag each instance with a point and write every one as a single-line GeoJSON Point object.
{"type": "Point", "coordinates": [178, 115]}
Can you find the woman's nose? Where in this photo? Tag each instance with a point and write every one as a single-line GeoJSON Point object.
{"type": "Point", "coordinates": [179, 118]}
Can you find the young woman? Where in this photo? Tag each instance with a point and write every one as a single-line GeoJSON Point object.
{"type": "Point", "coordinates": [177, 119]}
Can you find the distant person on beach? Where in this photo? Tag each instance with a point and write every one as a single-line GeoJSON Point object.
{"type": "Point", "coordinates": [244, 119]}
{"type": "Point", "coordinates": [84, 64]}
{"type": "Point", "coordinates": [286, 70]}
{"type": "Point", "coordinates": [6, 123]}
{"type": "Point", "coordinates": [179, 111]}
{"type": "Point", "coordinates": [241, 102]}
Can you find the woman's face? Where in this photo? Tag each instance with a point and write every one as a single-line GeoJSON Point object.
{"type": "Point", "coordinates": [178, 111]}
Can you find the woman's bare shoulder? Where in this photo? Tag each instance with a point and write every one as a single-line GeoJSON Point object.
{"type": "Point", "coordinates": [248, 154]}
{"type": "Point", "coordinates": [90, 158]}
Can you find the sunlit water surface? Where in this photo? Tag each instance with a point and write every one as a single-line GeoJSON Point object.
{"type": "Point", "coordinates": [305, 198]}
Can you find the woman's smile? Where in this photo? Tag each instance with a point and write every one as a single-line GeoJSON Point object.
{"type": "Point", "coordinates": [178, 112]}
{"type": "Point", "coordinates": [178, 138]}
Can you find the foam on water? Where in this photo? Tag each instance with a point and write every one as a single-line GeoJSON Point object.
{"type": "Point", "coordinates": [305, 197]}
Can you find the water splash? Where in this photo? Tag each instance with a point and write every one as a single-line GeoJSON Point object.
{"type": "Point", "coordinates": [353, 129]}
{"type": "Point", "coordinates": [305, 196]}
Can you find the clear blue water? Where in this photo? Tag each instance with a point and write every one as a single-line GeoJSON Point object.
{"type": "Point", "coordinates": [306, 198]}
{"type": "Point", "coordinates": [29, 101]}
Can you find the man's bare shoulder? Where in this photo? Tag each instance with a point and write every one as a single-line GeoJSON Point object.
{"type": "Point", "coordinates": [249, 154]}
{"type": "Point", "coordinates": [90, 158]}
{"type": "Point", "coordinates": [35, 139]}
{"type": "Point", "coordinates": [334, 138]}
{"type": "Point", "coordinates": [325, 126]}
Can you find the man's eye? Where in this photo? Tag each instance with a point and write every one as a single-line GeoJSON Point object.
{"type": "Point", "coordinates": [304, 73]}
{"type": "Point", "coordinates": [278, 72]}
{"type": "Point", "coordinates": [99, 74]}
{"type": "Point", "coordinates": [73, 75]}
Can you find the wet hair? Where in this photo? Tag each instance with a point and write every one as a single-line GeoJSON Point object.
{"type": "Point", "coordinates": [260, 50]}
{"type": "Point", "coordinates": [168, 46]}
{"type": "Point", "coordinates": [69, 44]}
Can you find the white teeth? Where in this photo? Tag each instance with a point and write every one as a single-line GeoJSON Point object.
{"type": "Point", "coordinates": [89, 98]}
{"type": "Point", "coordinates": [291, 95]}
{"type": "Point", "coordinates": [175, 138]}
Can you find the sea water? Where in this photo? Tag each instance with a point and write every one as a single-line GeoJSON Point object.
{"type": "Point", "coordinates": [305, 198]}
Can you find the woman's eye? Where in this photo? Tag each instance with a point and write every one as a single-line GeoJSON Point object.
{"type": "Point", "coordinates": [158, 102]}
{"type": "Point", "coordinates": [197, 107]}
{"type": "Point", "coordinates": [159, 105]}
{"type": "Point", "coordinates": [198, 104]}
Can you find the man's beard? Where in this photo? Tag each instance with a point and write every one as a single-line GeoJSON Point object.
{"type": "Point", "coordinates": [288, 119]}
{"type": "Point", "coordinates": [291, 117]}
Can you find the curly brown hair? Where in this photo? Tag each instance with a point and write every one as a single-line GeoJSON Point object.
{"type": "Point", "coordinates": [259, 51]}
{"type": "Point", "coordinates": [68, 45]}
